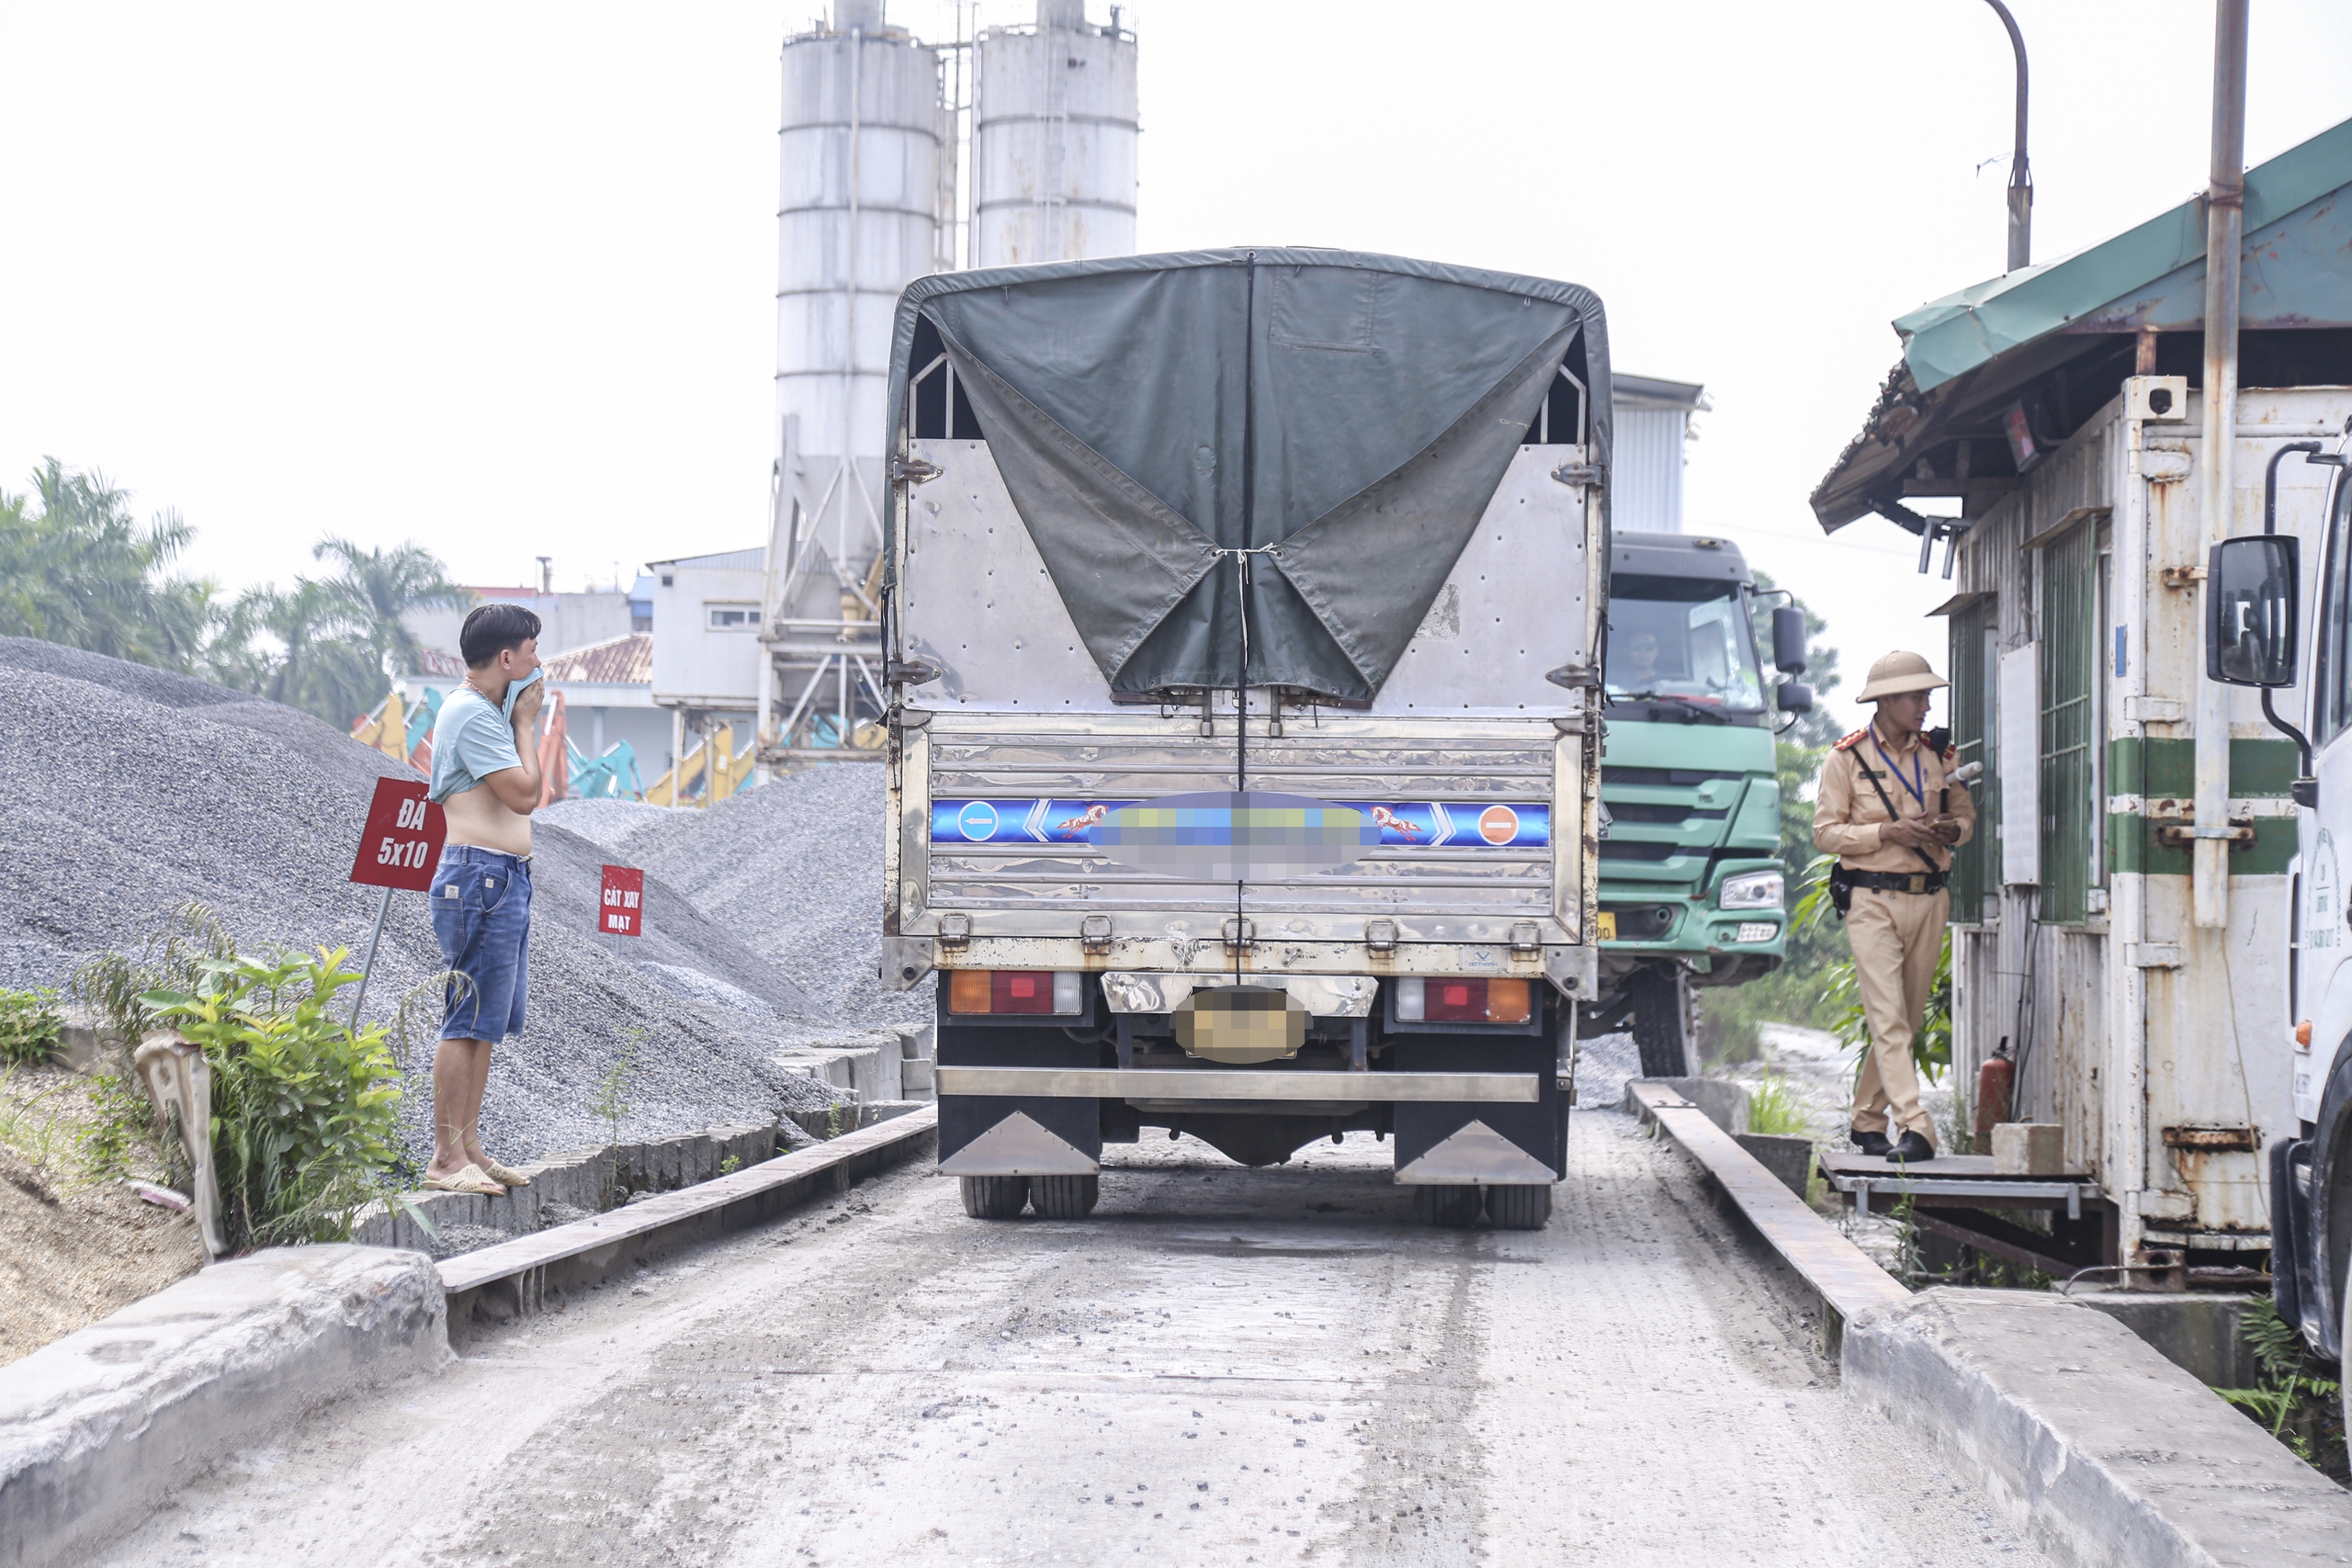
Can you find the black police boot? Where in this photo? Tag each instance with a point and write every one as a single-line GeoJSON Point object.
{"type": "Point", "coordinates": [1913, 1150]}
{"type": "Point", "coordinates": [1873, 1143]}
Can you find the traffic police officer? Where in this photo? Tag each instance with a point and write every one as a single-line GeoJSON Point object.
{"type": "Point", "coordinates": [1887, 812]}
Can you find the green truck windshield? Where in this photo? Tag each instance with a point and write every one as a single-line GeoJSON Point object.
{"type": "Point", "coordinates": [1681, 636]}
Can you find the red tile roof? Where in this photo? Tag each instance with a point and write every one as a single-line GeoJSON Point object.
{"type": "Point", "coordinates": [620, 660]}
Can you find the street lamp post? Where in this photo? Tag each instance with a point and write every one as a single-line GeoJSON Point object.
{"type": "Point", "coordinates": [2020, 172]}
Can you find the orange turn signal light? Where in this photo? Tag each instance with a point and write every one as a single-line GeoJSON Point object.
{"type": "Point", "coordinates": [2303, 1033]}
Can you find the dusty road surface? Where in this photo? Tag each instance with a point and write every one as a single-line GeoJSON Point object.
{"type": "Point", "coordinates": [1220, 1367]}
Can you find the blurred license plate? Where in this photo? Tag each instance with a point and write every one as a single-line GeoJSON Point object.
{"type": "Point", "coordinates": [1609, 925]}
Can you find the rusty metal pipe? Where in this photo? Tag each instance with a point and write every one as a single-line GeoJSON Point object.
{"type": "Point", "coordinates": [2020, 170]}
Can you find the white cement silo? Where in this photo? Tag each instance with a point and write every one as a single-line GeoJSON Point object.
{"type": "Point", "coordinates": [1053, 137]}
{"type": "Point", "coordinates": [868, 196]}
{"type": "Point", "coordinates": [868, 152]}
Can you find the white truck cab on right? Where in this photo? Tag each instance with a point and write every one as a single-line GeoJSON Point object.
{"type": "Point", "coordinates": [2257, 588]}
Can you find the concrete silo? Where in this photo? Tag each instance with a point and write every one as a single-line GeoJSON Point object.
{"type": "Point", "coordinates": [1054, 135]}
{"type": "Point", "coordinates": [868, 156]}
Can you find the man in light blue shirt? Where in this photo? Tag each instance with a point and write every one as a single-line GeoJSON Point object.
{"type": "Point", "coordinates": [486, 776]}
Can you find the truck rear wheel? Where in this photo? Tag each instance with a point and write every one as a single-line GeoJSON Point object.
{"type": "Point", "coordinates": [1454, 1207]}
{"type": "Point", "coordinates": [1519, 1208]}
{"type": "Point", "coordinates": [1662, 1024]}
{"type": "Point", "coordinates": [993, 1197]}
{"type": "Point", "coordinates": [1064, 1196]}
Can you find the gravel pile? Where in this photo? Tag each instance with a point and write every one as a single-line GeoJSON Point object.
{"type": "Point", "coordinates": [610, 823]}
{"type": "Point", "coordinates": [1605, 1065]}
{"type": "Point", "coordinates": [131, 790]}
{"type": "Point", "coordinates": [794, 868]}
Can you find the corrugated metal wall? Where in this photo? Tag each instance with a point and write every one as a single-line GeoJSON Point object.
{"type": "Point", "coordinates": [1646, 484]}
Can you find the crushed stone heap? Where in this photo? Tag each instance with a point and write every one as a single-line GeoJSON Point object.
{"type": "Point", "coordinates": [793, 868]}
{"type": "Point", "coordinates": [132, 790]}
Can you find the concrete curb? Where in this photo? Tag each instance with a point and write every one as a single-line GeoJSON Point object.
{"type": "Point", "coordinates": [97, 1427]}
{"type": "Point", "coordinates": [578, 1179]}
{"type": "Point", "coordinates": [1833, 1275]}
{"type": "Point", "coordinates": [2134, 1466]}
{"type": "Point", "coordinates": [511, 1280]}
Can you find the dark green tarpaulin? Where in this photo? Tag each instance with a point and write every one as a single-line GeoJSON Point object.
{"type": "Point", "coordinates": [1345, 418]}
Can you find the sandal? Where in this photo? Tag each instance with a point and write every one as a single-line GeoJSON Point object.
{"type": "Point", "coordinates": [468, 1179]}
{"type": "Point", "coordinates": [507, 1174]}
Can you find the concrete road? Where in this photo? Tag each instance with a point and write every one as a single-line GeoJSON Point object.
{"type": "Point", "coordinates": [1221, 1367]}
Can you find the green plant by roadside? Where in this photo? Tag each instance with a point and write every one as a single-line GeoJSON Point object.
{"type": "Point", "coordinates": [731, 1164]}
{"type": "Point", "coordinates": [305, 1112]}
{"type": "Point", "coordinates": [32, 1128]}
{"type": "Point", "coordinates": [611, 1107]}
{"type": "Point", "coordinates": [1773, 1109]}
{"type": "Point", "coordinates": [31, 1029]}
{"type": "Point", "coordinates": [113, 984]}
{"type": "Point", "coordinates": [124, 1120]}
{"type": "Point", "coordinates": [2297, 1401]}
{"type": "Point", "coordinates": [1959, 1122]}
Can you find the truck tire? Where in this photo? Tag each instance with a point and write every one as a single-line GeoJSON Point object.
{"type": "Point", "coordinates": [993, 1197]}
{"type": "Point", "coordinates": [1456, 1208]}
{"type": "Point", "coordinates": [1064, 1196]}
{"type": "Point", "coordinates": [1662, 1024]}
{"type": "Point", "coordinates": [1526, 1207]}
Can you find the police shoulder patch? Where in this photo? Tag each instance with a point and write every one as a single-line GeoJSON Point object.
{"type": "Point", "coordinates": [1854, 739]}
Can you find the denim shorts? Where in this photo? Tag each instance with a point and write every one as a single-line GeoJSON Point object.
{"type": "Point", "coordinates": [481, 913]}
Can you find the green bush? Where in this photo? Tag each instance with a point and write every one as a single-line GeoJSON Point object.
{"type": "Point", "coordinates": [113, 984]}
{"type": "Point", "coordinates": [1772, 1109]}
{"type": "Point", "coordinates": [2297, 1400]}
{"type": "Point", "coordinates": [305, 1112]}
{"type": "Point", "coordinates": [31, 1027]}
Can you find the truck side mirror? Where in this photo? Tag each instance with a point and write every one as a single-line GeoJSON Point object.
{"type": "Point", "coordinates": [1792, 696]}
{"type": "Point", "coordinates": [2251, 603]}
{"type": "Point", "coordinates": [1788, 643]}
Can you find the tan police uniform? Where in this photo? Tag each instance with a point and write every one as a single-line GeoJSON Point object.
{"type": "Point", "coordinates": [1896, 928]}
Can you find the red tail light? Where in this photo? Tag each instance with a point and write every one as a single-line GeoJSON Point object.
{"type": "Point", "coordinates": [1448, 1000]}
{"type": "Point", "coordinates": [1014, 991]}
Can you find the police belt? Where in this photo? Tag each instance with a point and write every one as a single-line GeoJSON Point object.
{"type": "Point", "coordinates": [1896, 881]}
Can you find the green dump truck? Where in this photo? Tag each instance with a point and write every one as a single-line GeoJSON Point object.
{"type": "Point", "coordinates": [1692, 891]}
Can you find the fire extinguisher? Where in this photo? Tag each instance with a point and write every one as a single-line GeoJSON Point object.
{"type": "Point", "coordinates": [1996, 1082]}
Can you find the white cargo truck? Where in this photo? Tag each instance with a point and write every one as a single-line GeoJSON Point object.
{"type": "Point", "coordinates": [1243, 614]}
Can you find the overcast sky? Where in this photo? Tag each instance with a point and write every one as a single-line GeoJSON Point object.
{"type": "Point", "coordinates": [499, 277]}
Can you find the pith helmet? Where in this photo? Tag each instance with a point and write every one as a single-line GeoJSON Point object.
{"type": "Point", "coordinates": [1900, 672]}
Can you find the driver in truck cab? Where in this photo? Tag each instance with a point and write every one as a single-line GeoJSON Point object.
{"type": "Point", "coordinates": [1887, 810]}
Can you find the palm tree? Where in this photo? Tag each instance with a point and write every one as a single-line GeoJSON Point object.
{"type": "Point", "coordinates": [380, 587]}
{"type": "Point", "coordinates": [81, 571]}
{"type": "Point", "coordinates": [327, 666]}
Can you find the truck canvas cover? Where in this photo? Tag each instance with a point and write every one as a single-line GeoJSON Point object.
{"type": "Point", "coordinates": [1332, 425]}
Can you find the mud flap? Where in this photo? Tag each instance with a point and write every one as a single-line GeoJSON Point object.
{"type": "Point", "coordinates": [986, 1135]}
{"type": "Point", "coordinates": [1454, 1143]}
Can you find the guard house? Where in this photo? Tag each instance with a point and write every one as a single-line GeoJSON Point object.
{"type": "Point", "coordinates": [2061, 408]}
